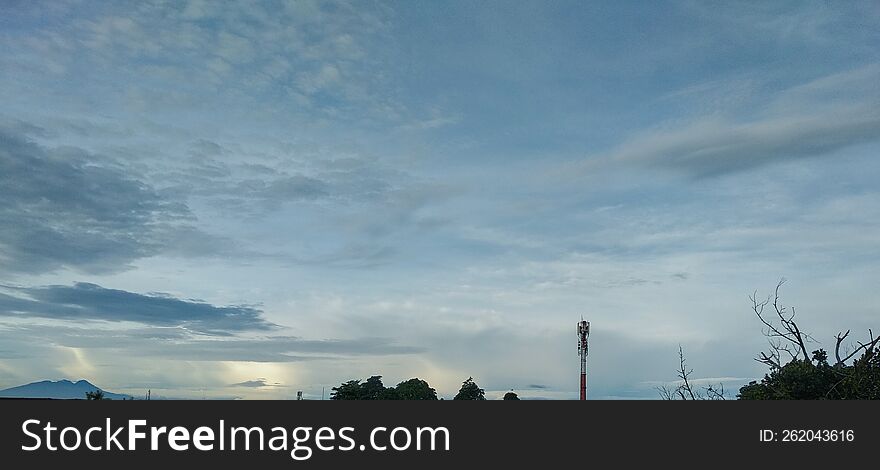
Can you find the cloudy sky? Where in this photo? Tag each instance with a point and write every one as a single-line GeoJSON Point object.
{"type": "Point", "coordinates": [255, 198]}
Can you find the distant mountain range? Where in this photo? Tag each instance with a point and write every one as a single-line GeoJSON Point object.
{"type": "Point", "coordinates": [61, 390]}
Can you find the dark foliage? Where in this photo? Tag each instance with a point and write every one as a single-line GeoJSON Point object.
{"type": "Point", "coordinates": [470, 391]}
{"type": "Point", "coordinates": [816, 379]}
{"type": "Point", "coordinates": [373, 389]}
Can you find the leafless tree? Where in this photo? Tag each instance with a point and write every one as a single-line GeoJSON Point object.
{"type": "Point", "coordinates": [788, 342]}
{"type": "Point", "coordinates": [868, 347]}
{"type": "Point", "coordinates": [786, 337]}
{"type": "Point", "coordinates": [782, 330]}
{"type": "Point", "coordinates": [685, 390]}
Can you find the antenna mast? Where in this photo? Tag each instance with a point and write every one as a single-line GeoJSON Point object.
{"type": "Point", "coordinates": [583, 349]}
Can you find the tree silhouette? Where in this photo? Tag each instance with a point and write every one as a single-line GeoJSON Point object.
{"type": "Point", "coordinates": [415, 389]}
{"type": "Point", "coordinates": [374, 389]}
{"type": "Point", "coordinates": [350, 390]}
{"type": "Point", "coordinates": [810, 377]}
{"type": "Point", "coordinates": [816, 379]}
{"type": "Point", "coordinates": [96, 395]}
{"type": "Point", "coordinates": [794, 373]}
{"type": "Point", "coordinates": [470, 391]}
{"type": "Point", "coordinates": [511, 396]}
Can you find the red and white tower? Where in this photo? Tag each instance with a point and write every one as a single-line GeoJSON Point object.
{"type": "Point", "coordinates": [583, 350]}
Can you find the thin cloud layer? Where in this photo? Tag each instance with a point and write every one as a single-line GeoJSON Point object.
{"type": "Point", "coordinates": [808, 120]}
{"type": "Point", "coordinates": [178, 343]}
{"type": "Point", "coordinates": [714, 147]}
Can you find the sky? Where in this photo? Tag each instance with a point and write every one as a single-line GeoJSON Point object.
{"type": "Point", "coordinates": [247, 199]}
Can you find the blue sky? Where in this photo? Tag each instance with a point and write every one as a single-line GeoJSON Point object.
{"type": "Point", "coordinates": [248, 199]}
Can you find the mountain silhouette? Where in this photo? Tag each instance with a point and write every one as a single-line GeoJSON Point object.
{"type": "Point", "coordinates": [62, 390]}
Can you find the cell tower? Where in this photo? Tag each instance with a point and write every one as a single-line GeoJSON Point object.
{"type": "Point", "coordinates": [583, 350]}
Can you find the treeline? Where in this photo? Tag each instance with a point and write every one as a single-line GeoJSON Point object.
{"type": "Point", "coordinates": [412, 389]}
{"type": "Point", "coordinates": [817, 379]}
{"type": "Point", "coordinates": [795, 373]}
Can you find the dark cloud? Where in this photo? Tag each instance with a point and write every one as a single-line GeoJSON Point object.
{"type": "Point", "coordinates": [69, 208]}
{"type": "Point", "coordinates": [84, 301]}
{"type": "Point", "coordinates": [258, 383]}
{"type": "Point", "coordinates": [538, 386]}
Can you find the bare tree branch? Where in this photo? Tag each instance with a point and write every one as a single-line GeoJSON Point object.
{"type": "Point", "coordinates": [869, 346]}
{"type": "Point", "coordinates": [666, 393]}
{"type": "Point", "coordinates": [713, 393]}
{"type": "Point", "coordinates": [685, 390]}
{"type": "Point", "coordinates": [787, 330]}
{"type": "Point", "coordinates": [840, 338]}
{"type": "Point", "coordinates": [683, 374]}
